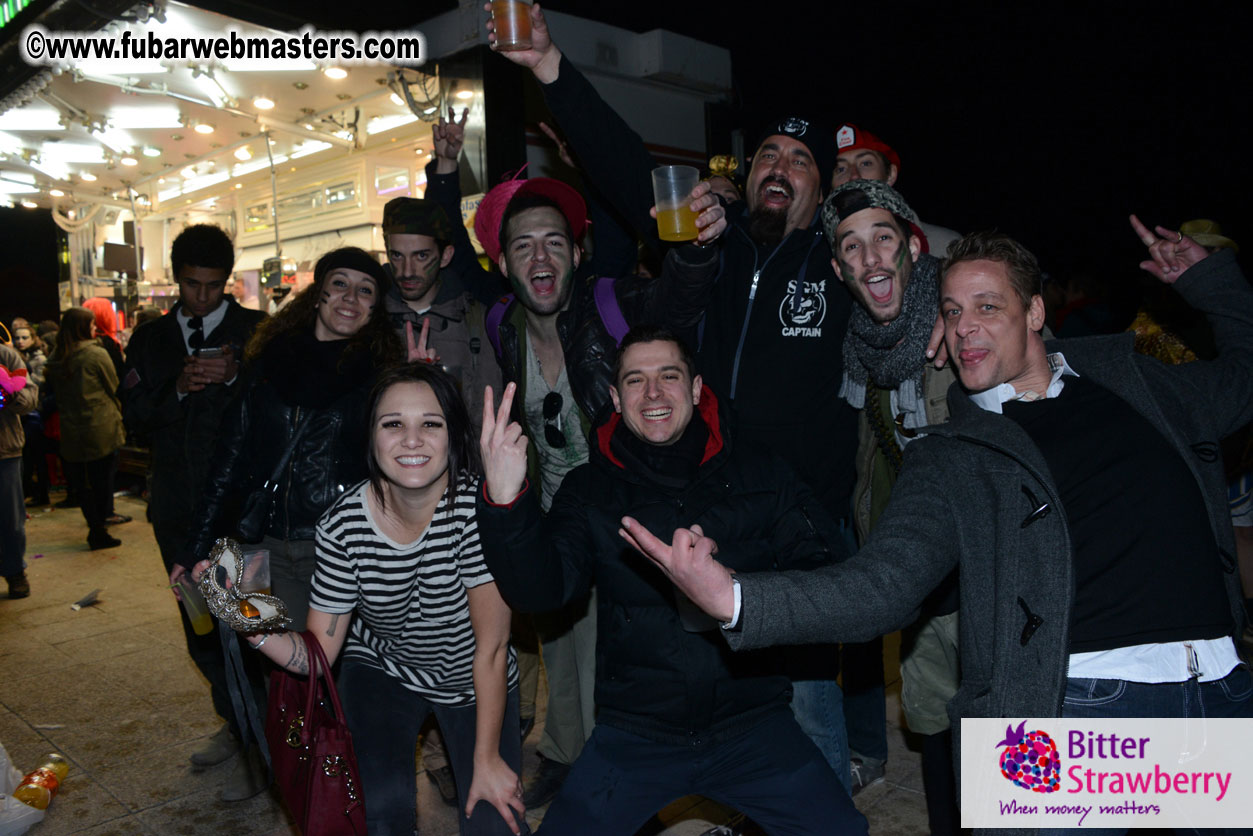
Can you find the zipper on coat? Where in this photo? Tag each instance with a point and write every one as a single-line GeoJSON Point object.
{"type": "Point", "coordinates": [287, 494]}
{"type": "Point", "coordinates": [739, 347]}
{"type": "Point", "coordinates": [752, 293]}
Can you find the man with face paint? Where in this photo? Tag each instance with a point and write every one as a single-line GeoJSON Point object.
{"type": "Point", "coordinates": [554, 342]}
{"type": "Point", "coordinates": [886, 375]}
{"type": "Point", "coordinates": [771, 340]}
{"type": "Point", "coordinates": [418, 235]}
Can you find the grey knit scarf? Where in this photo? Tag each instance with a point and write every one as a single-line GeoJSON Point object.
{"type": "Point", "coordinates": [889, 355]}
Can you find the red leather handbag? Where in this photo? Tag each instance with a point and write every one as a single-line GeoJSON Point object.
{"type": "Point", "coordinates": [311, 750]}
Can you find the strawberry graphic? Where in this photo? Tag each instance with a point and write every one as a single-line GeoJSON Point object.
{"type": "Point", "coordinates": [1030, 759]}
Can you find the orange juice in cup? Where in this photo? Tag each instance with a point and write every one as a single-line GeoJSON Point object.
{"type": "Point", "coordinates": [672, 190]}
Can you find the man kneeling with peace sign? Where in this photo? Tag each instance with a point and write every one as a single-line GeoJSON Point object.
{"type": "Point", "coordinates": [677, 712]}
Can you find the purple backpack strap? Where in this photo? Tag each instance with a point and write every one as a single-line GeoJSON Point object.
{"type": "Point", "coordinates": [495, 316]}
{"type": "Point", "coordinates": [607, 306]}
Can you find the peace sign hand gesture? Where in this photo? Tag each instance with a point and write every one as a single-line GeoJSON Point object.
{"type": "Point", "coordinates": [503, 447]}
{"type": "Point", "coordinates": [1170, 255]}
{"type": "Point", "coordinates": [420, 351]}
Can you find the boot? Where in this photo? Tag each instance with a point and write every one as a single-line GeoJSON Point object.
{"type": "Point", "coordinates": [248, 778]}
{"type": "Point", "coordinates": [216, 749]}
{"type": "Point", "coordinates": [19, 587]}
{"type": "Point", "coordinates": [100, 538]}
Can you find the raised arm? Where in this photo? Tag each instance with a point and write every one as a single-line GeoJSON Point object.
{"type": "Point", "coordinates": [443, 185]}
{"type": "Point", "coordinates": [612, 155]}
{"type": "Point", "coordinates": [539, 562]}
{"type": "Point", "coordinates": [493, 781]}
{"type": "Point", "coordinates": [678, 297]}
{"type": "Point", "coordinates": [1214, 285]}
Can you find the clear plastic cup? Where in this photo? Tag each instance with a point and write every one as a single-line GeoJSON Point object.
{"type": "Point", "coordinates": [195, 607]}
{"type": "Point", "coordinates": [513, 24]}
{"type": "Point", "coordinates": [256, 578]}
{"type": "Point", "coordinates": [672, 188]}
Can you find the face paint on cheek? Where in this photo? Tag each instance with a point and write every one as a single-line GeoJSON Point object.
{"type": "Point", "coordinates": [326, 296]}
{"type": "Point", "coordinates": [899, 260]}
{"type": "Point", "coordinates": [846, 269]}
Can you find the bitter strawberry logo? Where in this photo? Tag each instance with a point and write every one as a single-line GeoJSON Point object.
{"type": "Point", "coordinates": [1030, 759]}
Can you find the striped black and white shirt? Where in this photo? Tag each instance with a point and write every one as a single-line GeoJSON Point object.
{"type": "Point", "coordinates": [412, 611]}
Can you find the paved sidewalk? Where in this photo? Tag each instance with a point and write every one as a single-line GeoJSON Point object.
{"type": "Point", "coordinates": [111, 688]}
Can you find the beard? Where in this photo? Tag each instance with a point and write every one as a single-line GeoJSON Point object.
{"type": "Point", "coordinates": [766, 226]}
{"type": "Point", "coordinates": [424, 285]}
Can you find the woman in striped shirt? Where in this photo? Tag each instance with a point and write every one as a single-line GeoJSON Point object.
{"type": "Point", "coordinates": [430, 631]}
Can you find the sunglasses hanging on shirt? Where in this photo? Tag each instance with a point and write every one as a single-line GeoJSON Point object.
{"type": "Point", "coordinates": [552, 420]}
{"type": "Point", "coordinates": [196, 323]}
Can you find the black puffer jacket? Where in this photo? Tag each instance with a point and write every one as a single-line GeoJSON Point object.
{"type": "Point", "coordinates": [654, 677]}
{"type": "Point", "coordinates": [329, 458]}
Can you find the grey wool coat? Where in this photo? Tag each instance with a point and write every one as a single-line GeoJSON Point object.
{"type": "Point", "coordinates": [969, 495]}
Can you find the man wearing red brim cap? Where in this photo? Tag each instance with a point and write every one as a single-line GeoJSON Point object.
{"type": "Point", "coordinates": [863, 156]}
{"type": "Point", "coordinates": [555, 338]}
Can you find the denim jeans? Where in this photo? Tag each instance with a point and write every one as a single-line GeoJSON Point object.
{"type": "Point", "coordinates": [771, 772]}
{"type": "Point", "coordinates": [384, 718]}
{"type": "Point", "coordinates": [1105, 698]}
{"type": "Point", "coordinates": [818, 705]}
{"type": "Point", "coordinates": [12, 519]}
{"type": "Point", "coordinates": [1228, 697]}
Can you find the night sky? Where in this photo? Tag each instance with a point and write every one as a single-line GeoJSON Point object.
{"type": "Point", "coordinates": [1049, 121]}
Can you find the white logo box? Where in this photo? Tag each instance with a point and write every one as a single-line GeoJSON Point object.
{"type": "Point", "coordinates": [1192, 773]}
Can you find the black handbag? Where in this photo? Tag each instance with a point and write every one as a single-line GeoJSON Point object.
{"type": "Point", "coordinates": [258, 508]}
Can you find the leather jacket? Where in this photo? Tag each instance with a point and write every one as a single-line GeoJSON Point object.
{"type": "Point", "coordinates": [329, 458]}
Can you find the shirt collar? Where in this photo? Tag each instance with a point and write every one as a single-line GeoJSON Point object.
{"type": "Point", "coordinates": [209, 321]}
{"type": "Point", "coordinates": [991, 399]}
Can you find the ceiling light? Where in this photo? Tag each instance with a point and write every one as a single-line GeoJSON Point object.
{"type": "Point", "coordinates": [396, 100]}
{"type": "Point", "coordinates": [56, 192]}
{"type": "Point", "coordinates": [188, 173]}
{"type": "Point", "coordinates": [335, 73]}
{"type": "Point", "coordinates": [150, 151]}
{"type": "Point", "coordinates": [204, 128]}
{"type": "Point", "coordinates": [465, 94]}
{"type": "Point", "coordinates": [129, 160]}
{"type": "Point", "coordinates": [243, 154]}
{"type": "Point", "coordinates": [30, 204]}
{"type": "Point", "coordinates": [429, 110]}
{"type": "Point", "coordinates": [88, 177]}
{"type": "Point", "coordinates": [262, 103]}
{"type": "Point", "coordinates": [239, 185]}
{"type": "Point", "coordinates": [307, 126]}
